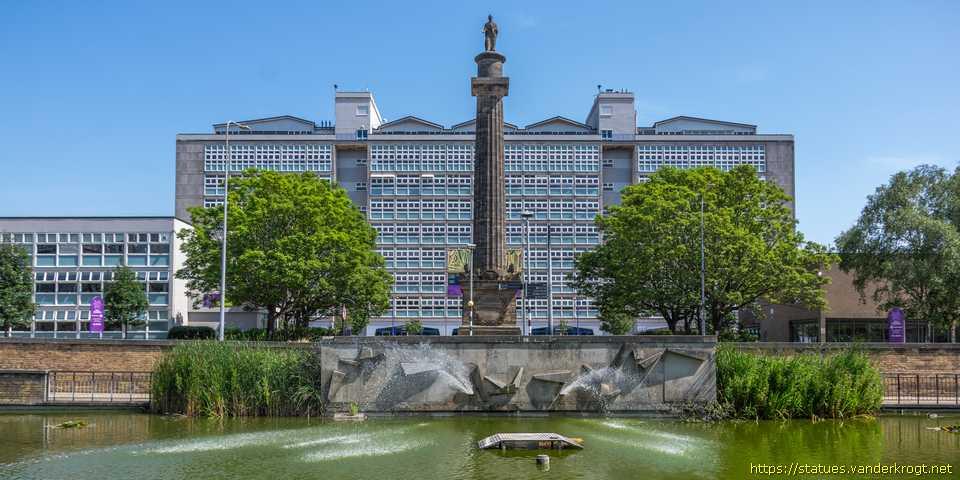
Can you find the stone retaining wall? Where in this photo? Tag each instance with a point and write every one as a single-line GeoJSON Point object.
{"type": "Point", "coordinates": [889, 358]}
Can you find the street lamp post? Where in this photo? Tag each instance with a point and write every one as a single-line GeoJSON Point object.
{"type": "Point", "coordinates": [223, 243]}
{"type": "Point", "coordinates": [550, 282]}
{"type": "Point", "coordinates": [703, 275]}
{"type": "Point", "coordinates": [526, 215]}
{"type": "Point", "coordinates": [470, 303]}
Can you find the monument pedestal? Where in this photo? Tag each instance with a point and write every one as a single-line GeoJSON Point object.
{"type": "Point", "coordinates": [495, 309]}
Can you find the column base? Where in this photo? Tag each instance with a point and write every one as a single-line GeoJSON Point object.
{"type": "Point", "coordinates": [481, 330]}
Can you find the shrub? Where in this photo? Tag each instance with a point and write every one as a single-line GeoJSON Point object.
{"type": "Point", "coordinates": [216, 379]}
{"type": "Point", "coordinates": [282, 335]}
{"type": "Point", "coordinates": [414, 327]}
{"type": "Point", "coordinates": [191, 333]}
{"type": "Point", "coordinates": [801, 386]}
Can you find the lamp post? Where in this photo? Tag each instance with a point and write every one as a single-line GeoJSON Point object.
{"type": "Point", "coordinates": [223, 243]}
{"type": "Point", "coordinates": [526, 215]}
{"type": "Point", "coordinates": [703, 276]}
{"type": "Point", "coordinates": [470, 303]}
{"type": "Point", "coordinates": [550, 283]}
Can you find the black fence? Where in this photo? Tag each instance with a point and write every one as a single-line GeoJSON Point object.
{"type": "Point", "coordinates": [98, 387]}
{"type": "Point", "coordinates": [921, 389]}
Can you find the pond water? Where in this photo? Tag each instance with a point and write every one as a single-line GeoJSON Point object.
{"type": "Point", "coordinates": [133, 445]}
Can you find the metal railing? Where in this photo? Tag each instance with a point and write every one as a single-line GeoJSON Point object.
{"type": "Point", "coordinates": [98, 387]}
{"type": "Point", "coordinates": [921, 389]}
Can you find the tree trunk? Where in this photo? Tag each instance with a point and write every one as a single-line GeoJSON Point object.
{"type": "Point", "coordinates": [9, 330]}
{"type": "Point", "coordinates": [953, 332]}
{"type": "Point", "coordinates": [123, 330]}
{"type": "Point", "coordinates": [271, 319]}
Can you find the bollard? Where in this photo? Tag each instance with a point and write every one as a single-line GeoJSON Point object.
{"type": "Point", "coordinates": [543, 462]}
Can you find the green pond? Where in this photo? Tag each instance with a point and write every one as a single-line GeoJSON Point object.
{"type": "Point", "coordinates": [133, 445]}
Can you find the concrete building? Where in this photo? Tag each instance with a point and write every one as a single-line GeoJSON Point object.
{"type": "Point", "coordinates": [74, 257]}
{"type": "Point", "coordinates": [413, 178]}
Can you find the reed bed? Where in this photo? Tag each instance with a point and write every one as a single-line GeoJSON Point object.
{"type": "Point", "coordinates": [802, 386]}
{"type": "Point", "coordinates": [218, 379]}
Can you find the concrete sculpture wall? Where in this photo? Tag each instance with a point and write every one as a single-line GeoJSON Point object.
{"type": "Point", "coordinates": [451, 374]}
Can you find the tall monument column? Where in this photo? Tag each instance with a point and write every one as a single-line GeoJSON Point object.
{"type": "Point", "coordinates": [494, 311]}
{"type": "Point", "coordinates": [489, 227]}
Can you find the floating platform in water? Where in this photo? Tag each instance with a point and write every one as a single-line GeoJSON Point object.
{"type": "Point", "coordinates": [530, 441]}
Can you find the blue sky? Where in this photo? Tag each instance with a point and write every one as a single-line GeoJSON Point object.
{"type": "Point", "coordinates": [93, 93]}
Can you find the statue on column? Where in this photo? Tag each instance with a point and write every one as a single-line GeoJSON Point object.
{"type": "Point", "coordinates": [490, 32]}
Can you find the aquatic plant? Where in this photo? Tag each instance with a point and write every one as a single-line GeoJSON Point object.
{"type": "Point", "coordinates": [72, 424]}
{"type": "Point", "coordinates": [802, 386]}
{"type": "Point", "coordinates": [216, 379]}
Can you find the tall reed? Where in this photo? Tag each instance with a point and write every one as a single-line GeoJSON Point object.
{"type": "Point", "coordinates": [801, 386]}
{"type": "Point", "coordinates": [216, 379]}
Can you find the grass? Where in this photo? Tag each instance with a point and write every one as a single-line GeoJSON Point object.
{"type": "Point", "coordinates": [803, 386]}
{"type": "Point", "coordinates": [214, 379]}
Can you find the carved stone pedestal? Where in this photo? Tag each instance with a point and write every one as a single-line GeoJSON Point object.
{"type": "Point", "coordinates": [495, 309]}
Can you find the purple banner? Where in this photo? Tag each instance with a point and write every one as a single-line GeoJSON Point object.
{"type": "Point", "coordinates": [897, 326]}
{"type": "Point", "coordinates": [453, 286]}
{"type": "Point", "coordinates": [96, 314]}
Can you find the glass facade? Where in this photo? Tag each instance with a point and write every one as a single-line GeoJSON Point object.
{"type": "Point", "coordinates": [70, 269]}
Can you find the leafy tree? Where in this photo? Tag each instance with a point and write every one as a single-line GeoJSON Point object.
{"type": "Point", "coordinates": [124, 300]}
{"type": "Point", "coordinates": [617, 323]}
{"type": "Point", "coordinates": [414, 327]}
{"type": "Point", "coordinates": [297, 247]}
{"type": "Point", "coordinates": [905, 246]}
{"type": "Point", "coordinates": [16, 288]}
{"type": "Point", "coordinates": [649, 263]}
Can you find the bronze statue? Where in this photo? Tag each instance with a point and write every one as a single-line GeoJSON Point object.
{"type": "Point", "coordinates": [490, 32]}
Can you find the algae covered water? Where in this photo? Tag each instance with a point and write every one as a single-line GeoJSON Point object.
{"type": "Point", "coordinates": [132, 445]}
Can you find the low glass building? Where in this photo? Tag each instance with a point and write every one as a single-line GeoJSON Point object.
{"type": "Point", "coordinates": [74, 257]}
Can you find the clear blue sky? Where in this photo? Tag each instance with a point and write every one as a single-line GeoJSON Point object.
{"type": "Point", "coordinates": [92, 94]}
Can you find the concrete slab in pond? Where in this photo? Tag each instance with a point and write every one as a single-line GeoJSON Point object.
{"type": "Point", "coordinates": [554, 376]}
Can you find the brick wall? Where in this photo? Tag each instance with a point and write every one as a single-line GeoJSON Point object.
{"type": "Point", "coordinates": [80, 355]}
{"type": "Point", "coordinates": [912, 357]}
{"type": "Point", "coordinates": [22, 388]}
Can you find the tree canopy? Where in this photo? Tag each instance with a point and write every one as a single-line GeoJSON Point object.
{"type": "Point", "coordinates": [649, 263]}
{"type": "Point", "coordinates": [906, 246]}
{"type": "Point", "coordinates": [124, 300]}
{"type": "Point", "coordinates": [297, 247]}
{"type": "Point", "coordinates": [16, 288]}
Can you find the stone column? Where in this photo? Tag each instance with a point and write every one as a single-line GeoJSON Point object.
{"type": "Point", "coordinates": [495, 310]}
{"type": "Point", "coordinates": [489, 207]}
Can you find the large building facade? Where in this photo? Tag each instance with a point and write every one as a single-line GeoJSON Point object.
{"type": "Point", "coordinates": [413, 178]}
{"type": "Point", "coordinates": [73, 258]}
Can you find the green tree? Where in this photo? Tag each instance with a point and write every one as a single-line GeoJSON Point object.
{"type": "Point", "coordinates": [297, 247]}
{"type": "Point", "coordinates": [617, 323]}
{"type": "Point", "coordinates": [905, 246]}
{"type": "Point", "coordinates": [649, 263]}
{"type": "Point", "coordinates": [414, 327]}
{"type": "Point", "coordinates": [16, 288]}
{"type": "Point", "coordinates": [124, 300]}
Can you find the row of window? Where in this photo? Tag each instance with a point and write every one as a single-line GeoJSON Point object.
{"type": "Point", "coordinates": [461, 234]}
{"type": "Point", "coordinates": [390, 209]}
{"type": "Point", "coordinates": [414, 258]}
{"type": "Point", "coordinates": [269, 156]}
{"type": "Point", "coordinates": [386, 185]}
{"type": "Point", "coordinates": [531, 185]}
{"type": "Point", "coordinates": [73, 276]}
{"type": "Point", "coordinates": [415, 307]}
{"type": "Point", "coordinates": [106, 260]}
{"type": "Point", "coordinates": [436, 234]}
{"type": "Point", "coordinates": [84, 237]}
{"type": "Point", "coordinates": [554, 209]}
{"type": "Point", "coordinates": [651, 158]}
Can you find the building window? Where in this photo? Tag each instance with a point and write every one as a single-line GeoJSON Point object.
{"type": "Point", "coordinates": [606, 110]}
{"type": "Point", "coordinates": [361, 186]}
{"type": "Point", "coordinates": [361, 134]}
{"type": "Point", "coordinates": [607, 187]}
{"type": "Point", "coordinates": [606, 134]}
{"type": "Point", "coordinates": [363, 110]}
